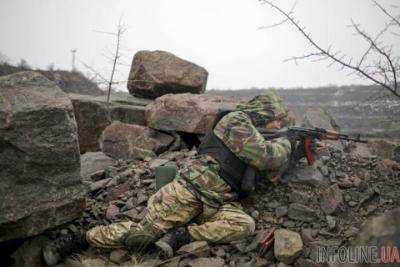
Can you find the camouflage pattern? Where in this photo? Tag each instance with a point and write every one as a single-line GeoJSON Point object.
{"type": "Point", "coordinates": [230, 223]}
{"type": "Point", "coordinates": [179, 203]}
{"type": "Point", "coordinates": [108, 236]}
{"type": "Point", "coordinates": [198, 196]}
{"type": "Point", "coordinates": [242, 138]}
{"type": "Point", "coordinates": [265, 108]}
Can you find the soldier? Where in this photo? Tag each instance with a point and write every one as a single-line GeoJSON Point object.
{"type": "Point", "coordinates": [201, 202]}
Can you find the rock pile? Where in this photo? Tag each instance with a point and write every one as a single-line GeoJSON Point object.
{"type": "Point", "coordinates": [312, 207]}
{"type": "Point", "coordinates": [306, 215]}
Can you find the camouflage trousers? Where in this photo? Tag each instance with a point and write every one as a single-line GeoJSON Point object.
{"type": "Point", "coordinates": [198, 198]}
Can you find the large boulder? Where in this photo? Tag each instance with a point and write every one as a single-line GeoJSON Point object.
{"type": "Point", "coordinates": [92, 116]}
{"type": "Point", "coordinates": [129, 141]}
{"type": "Point", "coordinates": [156, 73]}
{"type": "Point", "coordinates": [383, 233]}
{"type": "Point", "coordinates": [186, 112]}
{"type": "Point", "coordinates": [320, 118]}
{"type": "Point", "coordinates": [40, 185]}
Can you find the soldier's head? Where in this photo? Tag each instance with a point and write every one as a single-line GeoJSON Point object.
{"type": "Point", "coordinates": [267, 110]}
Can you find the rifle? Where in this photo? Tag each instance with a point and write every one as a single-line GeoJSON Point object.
{"type": "Point", "coordinates": [307, 135]}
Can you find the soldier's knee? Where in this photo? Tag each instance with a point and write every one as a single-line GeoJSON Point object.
{"type": "Point", "coordinates": [250, 225]}
{"type": "Point", "coordinates": [246, 223]}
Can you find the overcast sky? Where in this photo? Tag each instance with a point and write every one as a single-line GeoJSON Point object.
{"type": "Point", "coordinates": [221, 35]}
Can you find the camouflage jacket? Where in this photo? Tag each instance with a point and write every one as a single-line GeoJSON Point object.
{"type": "Point", "coordinates": [237, 131]}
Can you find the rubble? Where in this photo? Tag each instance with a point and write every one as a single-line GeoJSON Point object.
{"type": "Point", "coordinates": [288, 245]}
{"type": "Point", "coordinates": [331, 199]}
{"type": "Point", "coordinates": [302, 213]}
{"type": "Point", "coordinates": [321, 205]}
{"type": "Point", "coordinates": [210, 262]}
{"type": "Point", "coordinates": [92, 163]}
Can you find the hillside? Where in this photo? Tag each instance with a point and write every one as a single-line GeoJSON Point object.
{"type": "Point", "coordinates": [357, 108]}
{"type": "Point", "coordinates": [69, 81]}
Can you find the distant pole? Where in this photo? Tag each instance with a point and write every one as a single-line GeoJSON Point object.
{"type": "Point", "coordinates": [73, 51]}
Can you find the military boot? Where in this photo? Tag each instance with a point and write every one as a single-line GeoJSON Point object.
{"type": "Point", "coordinates": [138, 239]}
{"type": "Point", "coordinates": [173, 240]}
{"type": "Point", "coordinates": [63, 246]}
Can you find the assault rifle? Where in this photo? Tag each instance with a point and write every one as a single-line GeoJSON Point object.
{"type": "Point", "coordinates": [307, 136]}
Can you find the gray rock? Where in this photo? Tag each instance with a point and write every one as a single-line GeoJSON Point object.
{"type": "Point", "coordinates": [99, 184]}
{"type": "Point", "coordinates": [29, 254]}
{"type": "Point", "coordinates": [287, 246]}
{"type": "Point", "coordinates": [396, 154]}
{"type": "Point", "coordinates": [320, 118]}
{"type": "Point", "coordinates": [131, 114]}
{"type": "Point", "coordinates": [92, 118]}
{"type": "Point", "coordinates": [51, 255]}
{"type": "Point", "coordinates": [156, 73]}
{"type": "Point", "coordinates": [41, 186]}
{"type": "Point", "coordinates": [281, 211]}
{"type": "Point", "coordinates": [382, 230]}
{"type": "Point", "coordinates": [119, 256]}
{"type": "Point", "coordinates": [92, 162]}
{"type": "Point", "coordinates": [299, 197]}
{"type": "Point", "coordinates": [362, 150]}
{"type": "Point", "coordinates": [308, 235]}
{"type": "Point", "coordinates": [301, 213]}
{"type": "Point", "coordinates": [219, 252]}
{"type": "Point", "coordinates": [308, 175]}
{"type": "Point", "coordinates": [331, 199]}
{"type": "Point", "coordinates": [209, 262]}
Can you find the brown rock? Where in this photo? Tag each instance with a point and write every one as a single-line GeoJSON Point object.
{"type": "Point", "coordinates": [129, 141]}
{"type": "Point", "coordinates": [288, 245]}
{"type": "Point", "coordinates": [186, 112]}
{"type": "Point", "coordinates": [112, 212]}
{"type": "Point", "coordinates": [156, 73]}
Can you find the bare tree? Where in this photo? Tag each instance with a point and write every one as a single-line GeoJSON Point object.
{"type": "Point", "coordinates": [114, 56]}
{"type": "Point", "coordinates": [378, 63]}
